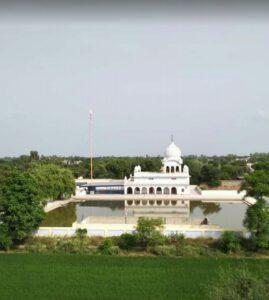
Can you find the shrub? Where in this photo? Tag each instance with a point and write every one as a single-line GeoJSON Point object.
{"type": "Point", "coordinates": [5, 239]}
{"type": "Point", "coordinates": [164, 250]}
{"type": "Point", "coordinates": [81, 233]}
{"type": "Point", "coordinates": [36, 248]}
{"type": "Point", "coordinates": [176, 239]}
{"type": "Point", "coordinates": [66, 246]}
{"type": "Point", "coordinates": [92, 250]}
{"type": "Point", "coordinates": [106, 246]}
{"type": "Point", "coordinates": [127, 241]}
{"type": "Point", "coordinates": [189, 250]}
{"type": "Point", "coordinates": [239, 285]}
{"type": "Point", "coordinates": [114, 250]}
{"type": "Point", "coordinates": [148, 232]}
{"type": "Point", "coordinates": [229, 242]}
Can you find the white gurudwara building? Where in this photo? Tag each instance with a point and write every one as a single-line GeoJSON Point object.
{"type": "Point", "coordinates": [173, 179]}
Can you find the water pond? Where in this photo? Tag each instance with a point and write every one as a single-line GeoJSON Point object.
{"type": "Point", "coordinates": [227, 215]}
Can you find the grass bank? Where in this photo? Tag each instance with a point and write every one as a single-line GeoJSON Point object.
{"type": "Point", "coordinates": [36, 276]}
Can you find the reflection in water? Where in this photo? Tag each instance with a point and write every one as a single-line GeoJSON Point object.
{"type": "Point", "coordinates": [207, 208]}
{"type": "Point", "coordinates": [227, 215]}
{"type": "Point", "coordinates": [99, 209]}
{"type": "Point", "coordinates": [112, 205]}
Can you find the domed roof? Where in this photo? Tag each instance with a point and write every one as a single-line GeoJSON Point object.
{"type": "Point", "coordinates": [172, 151]}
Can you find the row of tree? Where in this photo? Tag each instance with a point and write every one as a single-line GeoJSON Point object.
{"type": "Point", "coordinates": [23, 194]}
{"type": "Point", "coordinates": [203, 169]}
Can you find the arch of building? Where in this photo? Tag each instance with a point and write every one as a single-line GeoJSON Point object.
{"type": "Point", "coordinates": [173, 190]}
{"type": "Point", "coordinates": [137, 190]}
{"type": "Point", "coordinates": [144, 190]}
{"type": "Point", "coordinates": [151, 190]}
{"type": "Point", "coordinates": [159, 190]}
{"type": "Point", "coordinates": [166, 191]}
{"type": "Point", "coordinates": [172, 169]}
{"type": "Point", "coordinates": [129, 190]}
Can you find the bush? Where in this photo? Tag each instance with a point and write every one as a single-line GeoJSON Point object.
{"type": "Point", "coordinates": [81, 233]}
{"type": "Point", "coordinates": [106, 246]}
{"type": "Point", "coordinates": [36, 248]}
{"type": "Point", "coordinates": [229, 242]}
{"type": "Point", "coordinates": [127, 241]}
{"type": "Point", "coordinates": [92, 250]}
{"type": "Point", "coordinates": [176, 239]}
{"type": "Point", "coordinates": [66, 246]}
{"type": "Point", "coordinates": [240, 285]}
{"type": "Point", "coordinates": [164, 250]}
{"type": "Point", "coordinates": [114, 250]}
{"type": "Point", "coordinates": [189, 250]}
{"type": "Point", "coordinates": [148, 232]}
{"type": "Point", "coordinates": [5, 239]}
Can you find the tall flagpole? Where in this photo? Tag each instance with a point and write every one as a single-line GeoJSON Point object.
{"type": "Point", "coordinates": [91, 140]}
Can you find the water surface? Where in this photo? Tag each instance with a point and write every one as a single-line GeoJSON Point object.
{"type": "Point", "coordinates": [227, 215]}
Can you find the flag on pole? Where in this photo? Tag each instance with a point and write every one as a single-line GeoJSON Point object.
{"type": "Point", "coordinates": [91, 113]}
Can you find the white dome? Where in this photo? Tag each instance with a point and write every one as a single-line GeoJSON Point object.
{"type": "Point", "coordinates": [172, 151]}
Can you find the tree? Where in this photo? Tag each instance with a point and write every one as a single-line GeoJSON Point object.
{"type": "Point", "coordinates": [21, 207]}
{"type": "Point", "coordinates": [257, 222]}
{"type": "Point", "coordinates": [55, 182]}
{"type": "Point", "coordinates": [257, 184]}
{"type": "Point", "coordinates": [148, 231]}
{"type": "Point", "coordinates": [195, 167]}
{"type": "Point", "coordinates": [257, 216]}
{"type": "Point", "coordinates": [229, 242]}
{"type": "Point", "coordinates": [34, 156]}
{"type": "Point", "coordinates": [210, 174]}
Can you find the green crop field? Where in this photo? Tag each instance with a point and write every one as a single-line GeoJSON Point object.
{"type": "Point", "coordinates": [32, 276]}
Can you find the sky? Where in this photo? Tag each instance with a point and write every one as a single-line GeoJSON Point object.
{"type": "Point", "coordinates": [147, 71]}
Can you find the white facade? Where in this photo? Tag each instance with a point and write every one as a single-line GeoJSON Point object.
{"type": "Point", "coordinates": [174, 178]}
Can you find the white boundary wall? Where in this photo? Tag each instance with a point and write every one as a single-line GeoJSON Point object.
{"type": "Point", "coordinates": [107, 231]}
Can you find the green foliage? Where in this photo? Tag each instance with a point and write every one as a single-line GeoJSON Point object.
{"type": "Point", "coordinates": [107, 247]}
{"type": "Point", "coordinates": [70, 245]}
{"type": "Point", "coordinates": [262, 165]}
{"type": "Point", "coordinates": [229, 242]}
{"type": "Point", "coordinates": [202, 169]}
{"type": "Point", "coordinates": [34, 156]}
{"type": "Point", "coordinates": [81, 233]}
{"type": "Point", "coordinates": [127, 241]}
{"type": "Point", "coordinates": [211, 175]}
{"type": "Point", "coordinates": [5, 239]}
{"type": "Point", "coordinates": [257, 184]}
{"type": "Point", "coordinates": [164, 250]}
{"type": "Point", "coordinates": [56, 183]}
{"type": "Point", "coordinates": [257, 222]}
{"type": "Point", "coordinates": [240, 284]}
{"type": "Point", "coordinates": [21, 207]}
{"type": "Point", "coordinates": [148, 232]}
